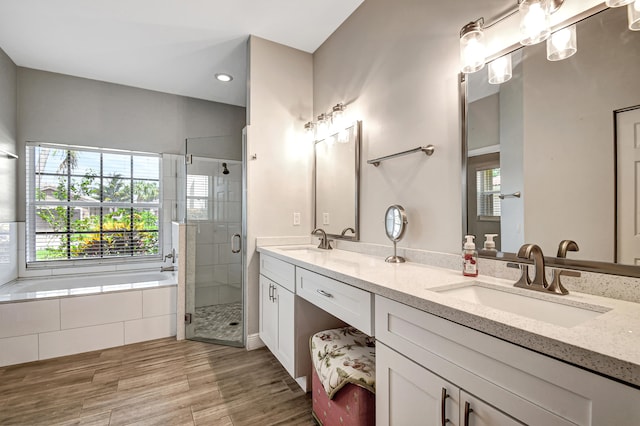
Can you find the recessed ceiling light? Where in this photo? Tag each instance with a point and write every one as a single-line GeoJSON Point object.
{"type": "Point", "coordinates": [224, 77]}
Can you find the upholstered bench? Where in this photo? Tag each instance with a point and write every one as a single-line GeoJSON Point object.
{"type": "Point", "coordinates": [343, 377]}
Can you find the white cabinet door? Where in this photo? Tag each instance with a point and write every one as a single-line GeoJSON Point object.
{"type": "Point", "coordinates": [268, 314]}
{"type": "Point", "coordinates": [475, 412]}
{"type": "Point", "coordinates": [408, 394]}
{"type": "Point", "coordinates": [285, 336]}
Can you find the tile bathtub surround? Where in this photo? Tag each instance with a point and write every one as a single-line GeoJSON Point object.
{"type": "Point", "coordinates": [608, 344]}
{"type": "Point", "coordinates": [35, 330]}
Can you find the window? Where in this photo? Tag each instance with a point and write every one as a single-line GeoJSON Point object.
{"type": "Point", "coordinates": [85, 203]}
{"type": "Point", "coordinates": [198, 197]}
{"type": "Point", "coordinates": [488, 191]}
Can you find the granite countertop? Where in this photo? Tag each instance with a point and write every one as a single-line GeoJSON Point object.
{"type": "Point", "coordinates": [608, 344]}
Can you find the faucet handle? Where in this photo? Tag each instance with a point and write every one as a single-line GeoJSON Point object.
{"type": "Point", "coordinates": [556, 285]}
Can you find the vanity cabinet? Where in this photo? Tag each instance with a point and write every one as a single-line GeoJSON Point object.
{"type": "Point", "coordinates": [409, 394]}
{"type": "Point", "coordinates": [287, 321]}
{"type": "Point", "coordinates": [419, 354]}
{"type": "Point", "coordinates": [277, 316]}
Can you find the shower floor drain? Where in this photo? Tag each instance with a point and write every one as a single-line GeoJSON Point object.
{"type": "Point", "coordinates": [234, 323]}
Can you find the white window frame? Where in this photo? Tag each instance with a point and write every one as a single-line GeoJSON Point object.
{"type": "Point", "coordinates": [32, 204]}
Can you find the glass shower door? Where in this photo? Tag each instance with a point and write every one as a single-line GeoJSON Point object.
{"type": "Point", "coordinates": [214, 212]}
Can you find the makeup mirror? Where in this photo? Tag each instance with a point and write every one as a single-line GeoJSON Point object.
{"type": "Point", "coordinates": [395, 225]}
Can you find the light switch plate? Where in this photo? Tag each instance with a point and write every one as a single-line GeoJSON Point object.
{"type": "Point", "coordinates": [296, 218]}
{"type": "Point", "coordinates": [325, 218]}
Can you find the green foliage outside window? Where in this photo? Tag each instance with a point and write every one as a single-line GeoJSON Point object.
{"type": "Point", "coordinates": [78, 218]}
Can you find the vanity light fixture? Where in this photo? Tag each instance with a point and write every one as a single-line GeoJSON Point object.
{"type": "Point", "coordinates": [634, 16]}
{"type": "Point", "coordinates": [618, 3]}
{"type": "Point", "coordinates": [562, 44]}
{"type": "Point", "coordinates": [534, 25]}
{"type": "Point", "coordinates": [328, 124]}
{"type": "Point", "coordinates": [225, 78]}
{"type": "Point", "coordinates": [472, 48]}
{"type": "Point", "coordinates": [500, 70]}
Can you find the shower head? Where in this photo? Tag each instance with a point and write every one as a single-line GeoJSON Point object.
{"type": "Point", "coordinates": [225, 171]}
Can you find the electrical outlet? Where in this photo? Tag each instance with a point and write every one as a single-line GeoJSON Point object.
{"type": "Point", "coordinates": [296, 218]}
{"type": "Point", "coordinates": [325, 218]}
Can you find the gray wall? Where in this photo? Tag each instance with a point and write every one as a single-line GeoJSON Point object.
{"type": "Point", "coordinates": [396, 64]}
{"type": "Point", "coordinates": [279, 179]}
{"type": "Point", "coordinates": [65, 109]}
{"type": "Point", "coordinates": [8, 168]}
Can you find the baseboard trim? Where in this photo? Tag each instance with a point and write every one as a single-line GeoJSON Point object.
{"type": "Point", "coordinates": [254, 342]}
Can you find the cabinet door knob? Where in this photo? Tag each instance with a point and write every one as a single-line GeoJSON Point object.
{"type": "Point", "coordinates": [467, 411]}
{"type": "Point", "coordinates": [324, 293]}
{"type": "Point", "coordinates": [443, 407]}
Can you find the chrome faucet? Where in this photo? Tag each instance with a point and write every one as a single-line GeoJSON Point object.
{"type": "Point", "coordinates": [539, 283]}
{"type": "Point", "coordinates": [171, 256]}
{"type": "Point", "coordinates": [556, 286]}
{"type": "Point", "coordinates": [325, 243]}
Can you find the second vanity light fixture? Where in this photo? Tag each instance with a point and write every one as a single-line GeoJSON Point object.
{"type": "Point", "coordinates": [535, 27]}
{"type": "Point", "coordinates": [327, 124]}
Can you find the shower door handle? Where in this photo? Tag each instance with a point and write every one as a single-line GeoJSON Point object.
{"type": "Point", "coordinates": [233, 237]}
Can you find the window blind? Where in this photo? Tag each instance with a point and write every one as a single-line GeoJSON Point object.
{"type": "Point", "coordinates": [488, 192]}
{"type": "Point", "coordinates": [87, 203]}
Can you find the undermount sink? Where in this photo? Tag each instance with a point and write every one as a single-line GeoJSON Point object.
{"type": "Point", "coordinates": [551, 312]}
{"type": "Point", "coordinates": [303, 249]}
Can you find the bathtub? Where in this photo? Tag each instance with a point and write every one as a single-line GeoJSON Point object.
{"type": "Point", "coordinates": [72, 285]}
{"type": "Point", "coordinates": [44, 318]}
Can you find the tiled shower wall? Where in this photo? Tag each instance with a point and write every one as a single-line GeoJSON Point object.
{"type": "Point", "coordinates": [218, 270]}
{"type": "Point", "coordinates": [8, 252]}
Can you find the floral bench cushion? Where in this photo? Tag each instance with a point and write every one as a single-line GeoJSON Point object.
{"type": "Point", "coordinates": [344, 355]}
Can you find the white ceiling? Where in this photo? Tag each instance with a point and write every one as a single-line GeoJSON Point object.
{"type": "Point", "coordinates": [172, 46]}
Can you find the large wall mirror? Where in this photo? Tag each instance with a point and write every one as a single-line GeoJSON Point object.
{"type": "Point", "coordinates": [336, 183]}
{"type": "Point", "coordinates": [552, 154]}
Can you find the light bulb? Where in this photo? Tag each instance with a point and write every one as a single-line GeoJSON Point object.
{"type": "Point", "coordinates": [500, 70]}
{"type": "Point", "coordinates": [322, 127]}
{"type": "Point", "coordinates": [534, 26]}
{"type": "Point", "coordinates": [309, 131]}
{"type": "Point", "coordinates": [343, 136]}
{"type": "Point", "coordinates": [472, 49]}
{"type": "Point", "coordinates": [562, 44]}
{"type": "Point", "coordinates": [633, 12]}
{"type": "Point", "coordinates": [337, 118]}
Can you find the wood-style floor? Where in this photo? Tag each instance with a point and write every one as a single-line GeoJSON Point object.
{"type": "Point", "coordinates": [162, 382]}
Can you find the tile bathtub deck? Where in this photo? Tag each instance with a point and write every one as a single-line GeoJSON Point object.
{"type": "Point", "coordinates": [163, 382]}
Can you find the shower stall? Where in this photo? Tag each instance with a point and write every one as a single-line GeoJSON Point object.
{"type": "Point", "coordinates": [213, 210]}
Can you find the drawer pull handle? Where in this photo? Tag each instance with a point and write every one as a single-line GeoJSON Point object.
{"type": "Point", "coordinates": [467, 411]}
{"type": "Point", "coordinates": [271, 292]}
{"type": "Point", "coordinates": [324, 293]}
{"type": "Point", "coordinates": [443, 407]}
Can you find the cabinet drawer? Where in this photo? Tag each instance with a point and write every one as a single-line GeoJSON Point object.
{"type": "Point", "coordinates": [280, 272]}
{"type": "Point", "coordinates": [350, 304]}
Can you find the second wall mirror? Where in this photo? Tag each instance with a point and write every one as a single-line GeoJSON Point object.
{"type": "Point", "coordinates": [547, 153]}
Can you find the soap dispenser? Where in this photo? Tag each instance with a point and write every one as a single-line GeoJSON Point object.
{"type": "Point", "coordinates": [489, 244]}
{"type": "Point", "coordinates": [469, 258]}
